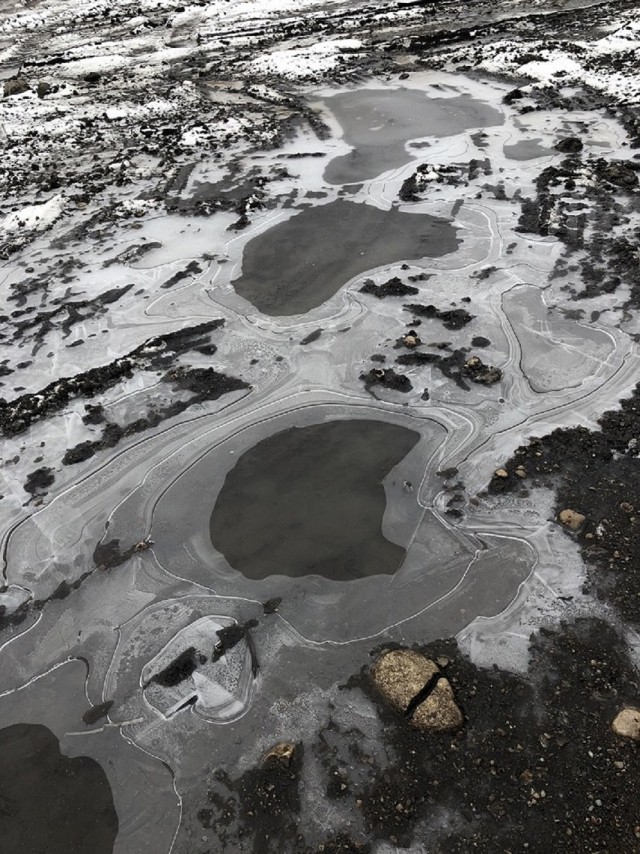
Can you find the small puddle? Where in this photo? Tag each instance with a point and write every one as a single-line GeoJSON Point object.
{"type": "Point", "coordinates": [526, 149]}
{"type": "Point", "coordinates": [379, 122]}
{"type": "Point", "coordinates": [302, 262]}
{"type": "Point", "coordinates": [310, 501]}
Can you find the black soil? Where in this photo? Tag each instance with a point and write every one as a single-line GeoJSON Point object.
{"type": "Point", "coordinates": [266, 800]}
{"type": "Point", "coordinates": [17, 415]}
{"type": "Point", "coordinates": [385, 378]}
{"type": "Point", "coordinates": [458, 365]}
{"type": "Point", "coordinates": [310, 501]}
{"type": "Point", "coordinates": [179, 669]}
{"type": "Point", "coordinates": [452, 318]}
{"type": "Point", "coordinates": [603, 238]}
{"type": "Point", "coordinates": [204, 384]}
{"type": "Point", "coordinates": [536, 766]}
{"type": "Point", "coordinates": [302, 262]}
{"type": "Point", "coordinates": [49, 803]}
{"type": "Point", "coordinates": [597, 474]}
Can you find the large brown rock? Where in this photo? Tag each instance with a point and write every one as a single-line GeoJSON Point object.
{"type": "Point", "coordinates": [439, 712]}
{"type": "Point", "coordinates": [401, 675]}
{"type": "Point", "coordinates": [627, 723]}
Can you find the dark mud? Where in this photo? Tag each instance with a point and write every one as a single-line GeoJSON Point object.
{"type": "Point", "coordinates": [266, 800]}
{"type": "Point", "coordinates": [37, 481]}
{"type": "Point", "coordinates": [301, 263]}
{"type": "Point", "coordinates": [457, 365]}
{"type": "Point", "coordinates": [179, 669]}
{"type": "Point", "coordinates": [421, 182]}
{"type": "Point", "coordinates": [596, 474]}
{"type": "Point", "coordinates": [36, 326]}
{"type": "Point", "coordinates": [311, 337]}
{"type": "Point", "coordinates": [385, 378]}
{"type": "Point", "coordinates": [452, 318]}
{"type": "Point", "coordinates": [192, 269]}
{"type": "Point", "coordinates": [310, 501]}
{"type": "Point", "coordinates": [393, 287]}
{"type": "Point", "coordinates": [49, 803]}
{"type": "Point", "coordinates": [97, 713]}
{"type": "Point", "coordinates": [203, 383]}
{"type": "Point", "coordinates": [379, 122]}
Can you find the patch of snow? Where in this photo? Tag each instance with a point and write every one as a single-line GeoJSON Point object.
{"type": "Point", "coordinates": [80, 67]}
{"type": "Point", "coordinates": [33, 217]}
{"type": "Point", "coordinates": [547, 70]}
{"type": "Point", "coordinates": [308, 61]}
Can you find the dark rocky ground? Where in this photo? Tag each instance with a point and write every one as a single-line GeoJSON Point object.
{"type": "Point", "coordinates": [595, 473]}
{"type": "Point", "coordinates": [535, 766]}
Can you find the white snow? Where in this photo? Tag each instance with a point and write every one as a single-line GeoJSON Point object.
{"type": "Point", "coordinates": [547, 70]}
{"type": "Point", "coordinates": [33, 217]}
{"type": "Point", "coordinates": [305, 61]}
{"type": "Point", "coordinates": [579, 62]}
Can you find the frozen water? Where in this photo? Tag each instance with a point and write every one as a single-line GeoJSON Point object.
{"type": "Point", "coordinates": [117, 553]}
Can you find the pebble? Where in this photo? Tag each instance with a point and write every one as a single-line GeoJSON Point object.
{"type": "Point", "coordinates": [281, 753]}
{"type": "Point", "coordinates": [571, 519]}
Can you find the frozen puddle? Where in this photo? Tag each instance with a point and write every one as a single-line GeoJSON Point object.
{"type": "Point", "coordinates": [310, 501]}
{"type": "Point", "coordinates": [378, 123]}
{"type": "Point", "coordinates": [302, 262]}
{"type": "Point", "coordinates": [526, 149]}
{"type": "Point", "coordinates": [37, 780]}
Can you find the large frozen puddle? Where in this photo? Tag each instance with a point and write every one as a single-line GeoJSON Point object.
{"type": "Point", "coordinates": [302, 262]}
{"type": "Point", "coordinates": [310, 501]}
{"type": "Point", "coordinates": [378, 123]}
